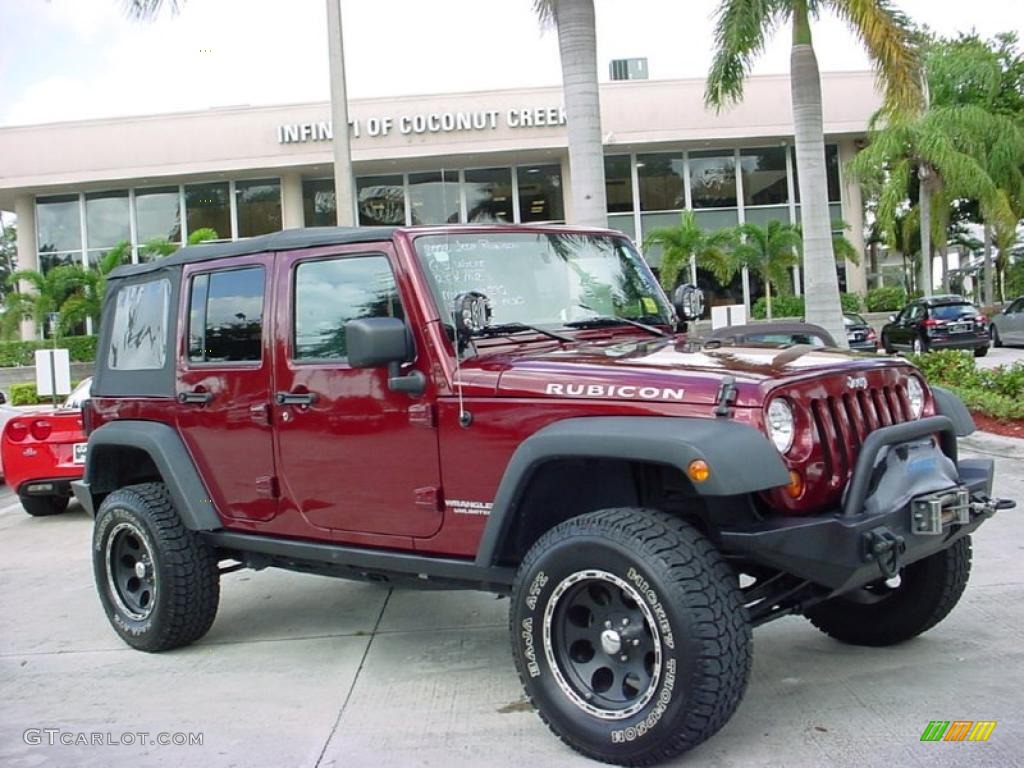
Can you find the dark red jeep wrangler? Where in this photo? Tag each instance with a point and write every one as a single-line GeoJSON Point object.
{"type": "Point", "coordinates": [515, 409]}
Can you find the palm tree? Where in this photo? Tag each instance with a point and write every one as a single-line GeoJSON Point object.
{"type": "Point", "coordinates": [770, 252]}
{"type": "Point", "coordinates": [577, 45]}
{"type": "Point", "coordinates": [46, 296]}
{"type": "Point", "coordinates": [743, 27]}
{"type": "Point", "coordinates": [86, 301]}
{"type": "Point", "coordinates": [689, 243]}
{"type": "Point", "coordinates": [953, 152]}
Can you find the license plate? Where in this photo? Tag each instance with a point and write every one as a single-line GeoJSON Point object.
{"type": "Point", "coordinates": [960, 328]}
{"type": "Point", "coordinates": [78, 453]}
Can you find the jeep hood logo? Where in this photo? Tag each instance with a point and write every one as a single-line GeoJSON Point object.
{"type": "Point", "coordinates": [856, 382]}
{"type": "Point", "coordinates": [612, 391]}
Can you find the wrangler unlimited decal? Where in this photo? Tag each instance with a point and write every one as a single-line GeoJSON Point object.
{"type": "Point", "coordinates": [616, 391]}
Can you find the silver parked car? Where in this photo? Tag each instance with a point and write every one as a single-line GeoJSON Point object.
{"type": "Point", "coordinates": [1008, 325]}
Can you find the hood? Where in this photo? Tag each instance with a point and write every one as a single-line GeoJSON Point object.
{"type": "Point", "coordinates": [659, 370]}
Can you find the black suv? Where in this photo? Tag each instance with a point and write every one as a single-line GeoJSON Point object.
{"type": "Point", "coordinates": [938, 322]}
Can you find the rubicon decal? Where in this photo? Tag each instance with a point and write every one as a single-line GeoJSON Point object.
{"type": "Point", "coordinates": [611, 391]}
{"type": "Point", "coordinates": [958, 730]}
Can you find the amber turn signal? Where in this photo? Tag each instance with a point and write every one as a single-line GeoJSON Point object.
{"type": "Point", "coordinates": [796, 484]}
{"type": "Point", "coordinates": [698, 470]}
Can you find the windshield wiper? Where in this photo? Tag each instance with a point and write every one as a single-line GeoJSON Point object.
{"type": "Point", "coordinates": [598, 321]}
{"type": "Point", "coordinates": [510, 328]}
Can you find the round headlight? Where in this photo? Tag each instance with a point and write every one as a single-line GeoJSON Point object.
{"type": "Point", "coordinates": [780, 425]}
{"type": "Point", "coordinates": [915, 394]}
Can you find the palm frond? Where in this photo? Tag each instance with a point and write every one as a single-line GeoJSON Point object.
{"type": "Point", "coordinates": [148, 10]}
{"type": "Point", "coordinates": [886, 34]}
{"type": "Point", "coordinates": [741, 31]}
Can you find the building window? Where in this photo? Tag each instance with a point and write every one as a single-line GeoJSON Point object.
{"type": "Point", "coordinates": [207, 207]}
{"type": "Point", "coordinates": [138, 337]}
{"type": "Point", "coordinates": [713, 179]}
{"type": "Point", "coordinates": [618, 184]}
{"type": "Point", "coordinates": [540, 193]}
{"type": "Point", "coordinates": [107, 219]}
{"type": "Point", "coordinates": [259, 206]}
{"type": "Point", "coordinates": [831, 174]}
{"type": "Point", "coordinates": [158, 214]}
{"type": "Point", "coordinates": [381, 200]}
{"type": "Point", "coordinates": [319, 205]}
{"type": "Point", "coordinates": [58, 231]}
{"type": "Point", "coordinates": [330, 293]}
{"type": "Point", "coordinates": [434, 197]}
{"type": "Point", "coordinates": [660, 178]}
{"type": "Point", "coordinates": [764, 176]}
{"type": "Point", "coordinates": [489, 195]}
{"type": "Point", "coordinates": [226, 316]}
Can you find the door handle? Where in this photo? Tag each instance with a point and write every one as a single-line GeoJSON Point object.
{"type": "Point", "coordinates": [195, 397]}
{"type": "Point", "coordinates": [294, 398]}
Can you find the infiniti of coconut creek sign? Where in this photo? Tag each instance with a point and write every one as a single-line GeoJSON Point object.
{"type": "Point", "coordinates": [432, 122]}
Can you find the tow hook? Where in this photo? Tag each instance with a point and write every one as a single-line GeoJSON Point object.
{"type": "Point", "coordinates": [986, 506]}
{"type": "Point", "coordinates": [884, 547]}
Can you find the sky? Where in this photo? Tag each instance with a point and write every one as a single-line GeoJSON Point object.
{"type": "Point", "coordinates": [78, 59]}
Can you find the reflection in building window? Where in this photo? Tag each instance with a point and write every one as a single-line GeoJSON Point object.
{"type": "Point", "coordinates": [618, 184]}
{"type": "Point", "coordinates": [661, 182]}
{"type": "Point", "coordinates": [713, 179]}
{"type": "Point", "coordinates": [318, 203]}
{"type": "Point", "coordinates": [489, 195]}
{"type": "Point", "coordinates": [381, 200]}
{"type": "Point", "coordinates": [434, 197]}
{"type": "Point", "coordinates": [540, 193]}
{"type": "Point", "coordinates": [330, 293]}
{"type": "Point", "coordinates": [58, 224]}
{"type": "Point", "coordinates": [764, 176]}
{"type": "Point", "coordinates": [259, 207]}
{"type": "Point", "coordinates": [207, 207]}
{"type": "Point", "coordinates": [158, 214]}
{"type": "Point", "coordinates": [138, 337]}
{"type": "Point", "coordinates": [831, 174]}
{"type": "Point", "coordinates": [106, 218]}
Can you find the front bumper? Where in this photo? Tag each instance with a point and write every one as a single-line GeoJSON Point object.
{"type": "Point", "coordinates": [867, 541]}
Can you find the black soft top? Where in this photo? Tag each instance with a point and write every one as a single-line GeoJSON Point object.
{"type": "Point", "coordinates": [285, 240]}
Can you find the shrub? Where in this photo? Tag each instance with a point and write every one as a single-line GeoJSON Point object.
{"type": "Point", "coordinates": [782, 306]}
{"type": "Point", "coordinates": [81, 349]}
{"type": "Point", "coordinates": [997, 393]}
{"type": "Point", "coordinates": [886, 299]}
{"type": "Point", "coordinates": [23, 394]}
{"type": "Point", "coordinates": [851, 302]}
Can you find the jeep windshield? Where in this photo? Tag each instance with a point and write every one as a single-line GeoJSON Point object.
{"type": "Point", "coordinates": [544, 279]}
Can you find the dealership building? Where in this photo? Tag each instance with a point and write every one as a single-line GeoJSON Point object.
{"type": "Point", "coordinates": [79, 188]}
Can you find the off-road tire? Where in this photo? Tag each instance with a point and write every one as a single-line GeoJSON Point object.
{"type": "Point", "coordinates": [183, 578]}
{"type": "Point", "coordinates": [928, 591]}
{"type": "Point", "coordinates": [44, 506]}
{"type": "Point", "coordinates": [980, 351]}
{"type": "Point", "coordinates": [702, 633]}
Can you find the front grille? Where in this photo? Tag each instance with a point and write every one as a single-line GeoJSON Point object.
{"type": "Point", "coordinates": [843, 423]}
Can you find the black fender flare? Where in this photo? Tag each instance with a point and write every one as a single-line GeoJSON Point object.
{"type": "Point", "coordinates": [741, 458]}
{"type": "Point", "coordinates": [170, 457]}
{"type": "Point", "coordinates": [948, 404]}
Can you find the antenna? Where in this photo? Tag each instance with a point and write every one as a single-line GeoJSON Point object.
{"type": "Point", "coordinates": [465, 417]}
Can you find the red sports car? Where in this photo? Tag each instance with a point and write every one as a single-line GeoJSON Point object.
{"type": "Point", "coordinates": [43, 451]}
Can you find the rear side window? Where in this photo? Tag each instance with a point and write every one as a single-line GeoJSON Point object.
{"type": "Point", "coordinates": [226, 316]}
{"type": "Point", "coordinates": [331, 292]}
{"type": "Point", "coordinates": [138, 337]}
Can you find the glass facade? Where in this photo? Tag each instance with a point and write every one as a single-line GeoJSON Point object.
{"type": "Point", "coordinates": [258, 205]}
{"type": "Point", "coordinates": [319, 204]}
{"type": "Point", "coordinates": [660, 177]}
{"type": "Point", "coordinates": [107, 219]}
{"type": "Point", "coordinates": [831, 174]}
{"type": "Point", "coordinates": [158, 214]}
{"type": "Point", "coordinates": [764, 176]}
{"type": "Point", "coordinates": [618, 183]}
{"type": "Point", "coordinates": [381, 200]}
{"type": "Point", "coordinates": [540, 193]}
{"type": "Point", "coordinates": [713, 179]}
{"type": "Point", "coordinates": [434, 197]}
{"type": "Point", "coordinates": [207, 206]}
{"type": "Point", "coordinates": [489, 195]}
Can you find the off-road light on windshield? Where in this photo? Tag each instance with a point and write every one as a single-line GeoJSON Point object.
{"type": "Point", "coordinates": [780, 424]}
{"type": "Point", "coordinates": [915, 394]}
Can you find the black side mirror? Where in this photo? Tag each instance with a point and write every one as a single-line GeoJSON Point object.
{"type": "Point", "coordinates": [374, 342]}
{"type": "Point", "coordinates": [688, 301]}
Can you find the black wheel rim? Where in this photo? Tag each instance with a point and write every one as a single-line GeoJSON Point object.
{"type": "Point", "coordinates": [602, 644]}
{"type": "Point", "coordinates": [131, 572]}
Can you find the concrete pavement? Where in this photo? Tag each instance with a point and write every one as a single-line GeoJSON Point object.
{"type": "Point", "coordinates": [307, 671]}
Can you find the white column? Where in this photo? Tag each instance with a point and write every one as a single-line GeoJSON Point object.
{"type": "Point", "coordinates": [344, 181]}
{"type": "Point", "coordinates": [791, 196]}
{"type": "Point", "coordinates": [28, 252]}
{"type": "Point", "coordinates": [292, 211]}
{"type": "Point", "coordinates": [853, 214]}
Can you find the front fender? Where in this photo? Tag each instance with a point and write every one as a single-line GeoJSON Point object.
{"type": "Point", "coordinates": [741, 458]}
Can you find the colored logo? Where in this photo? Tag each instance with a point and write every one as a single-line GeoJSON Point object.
{"type": "Point", "coordinates": [958, 730]}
